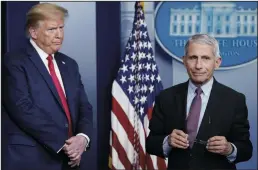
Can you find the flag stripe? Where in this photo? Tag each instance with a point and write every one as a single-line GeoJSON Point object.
{"type": "Point", "coordinates": [120, 130]}
{"type": "Point", "coordinates": [118, 164]}
{"type": "Point", "coordinates": [161, 164]}
{"type": "Point", "coordinates": [150, 162]}
{"type": "Point", "coordinates": [128, 111]}
{"type": "Point", "coordinates": [123, 120]}
{"type": "Point", "coordinates": [124, 102]}
{"type": "Point", "coordinates": [120, 151]}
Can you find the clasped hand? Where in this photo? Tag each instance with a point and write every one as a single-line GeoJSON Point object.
{"type": "Point", "coordinates": [73, 148]}
{"type": "Point", "coordinates": [216, 144]}
{"type": "Point", "coordinates": [220, 145]}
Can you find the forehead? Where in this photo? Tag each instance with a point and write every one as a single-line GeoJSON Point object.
{"type": "Point", "coordinates": [200, 49]}
{"type": "Point", "coordinates": [52, 22]}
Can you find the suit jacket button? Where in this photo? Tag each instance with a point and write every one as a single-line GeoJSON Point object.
{"type": "Point", "coordinates": [66, 125]}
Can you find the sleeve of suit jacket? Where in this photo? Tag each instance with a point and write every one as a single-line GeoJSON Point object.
{"type": "Point", "coordinates": [22, 109]}
{"type": "Point", "coordinates": [239, 134]}
{"type": "Point", "coordinates": [84, 124]}
{"type": "Point", "coordinates": [154, 142]}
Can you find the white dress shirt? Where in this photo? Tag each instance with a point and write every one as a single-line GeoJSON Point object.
{"type": "Point", "coordinates": [43, 57]}
{"type": "Point", "coordinates": [206, 88]}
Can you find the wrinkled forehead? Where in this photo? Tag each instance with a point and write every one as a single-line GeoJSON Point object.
{"type": "Point", "coordinates": [200, 49]}
{"type": "Point", "coordinates": [54, 22]}
{"type": "Point", "coordinates": [202, 43]}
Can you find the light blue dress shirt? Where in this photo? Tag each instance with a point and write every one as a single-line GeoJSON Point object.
{"type": "Point", "coordinates": [206, 88]}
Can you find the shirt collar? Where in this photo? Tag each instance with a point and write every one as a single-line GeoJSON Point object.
{"type": "Point", "coordinates": [43, 55]}
{"type": "Point", "coordinates": [206, 88]}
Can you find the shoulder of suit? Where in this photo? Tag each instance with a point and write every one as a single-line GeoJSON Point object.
{"type": "Point", "coordinates": [66, 57]}
{"type": "Point", "coordinates": [226, 90]}
{"type": "Point", "coordinates": [16, 55]}
{"type": "Point", "coordinates": [174, 89]}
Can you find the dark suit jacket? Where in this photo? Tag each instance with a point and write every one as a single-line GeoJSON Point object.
{"type": "Point", "coordinates": [35, 125]}
{"type": "Point", "coordinates": [225, 115]}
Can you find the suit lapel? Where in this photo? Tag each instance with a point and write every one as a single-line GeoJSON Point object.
{"type": "Point", "coordinates": [35, 58]}
{"type": "Point", "coordinates": [181, 99]}
{"type": "Point", "coordinates": [68, 84]}
{"type": "Point", "coordinates": [210, 114]}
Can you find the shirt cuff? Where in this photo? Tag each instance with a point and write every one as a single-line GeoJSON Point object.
{"type": "Point", "coordinates": [232, 156]}
{"type": "Point", "coordinates": [166, 147]}
{"type": "Point", "coordinates": [87, 139]}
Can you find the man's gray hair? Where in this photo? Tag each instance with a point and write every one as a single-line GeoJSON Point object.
{"type": "Point", "coordinates": [204, 39]}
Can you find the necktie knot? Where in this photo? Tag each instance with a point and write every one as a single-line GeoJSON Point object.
{"type": "Point", "coordinates": [49, 58]}
{"type": "Point", "coordinates": [198, 91]}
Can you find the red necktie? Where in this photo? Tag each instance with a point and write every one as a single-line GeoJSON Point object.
{"type": "Point", "coordinates": [60, 93]}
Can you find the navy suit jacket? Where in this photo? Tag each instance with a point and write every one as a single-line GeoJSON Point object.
{"type": "Point", "coordinates": [35, 123]}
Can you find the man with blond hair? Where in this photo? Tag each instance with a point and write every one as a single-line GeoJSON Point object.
{"type": "Point", "coordinates": [47, 122]}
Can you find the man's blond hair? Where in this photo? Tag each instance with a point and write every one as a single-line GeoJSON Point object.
{"type": "Point", "coordinates": [44, 11]}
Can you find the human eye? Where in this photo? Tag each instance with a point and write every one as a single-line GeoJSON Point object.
{"type": "Point", "coordinates": [52, 29]}
{"type": "Point", "coordinates": [206, 57]}
{"type": "Point", "coordinates": [61, 27]}
{"type": "Point", "coordinates": [193, 57]}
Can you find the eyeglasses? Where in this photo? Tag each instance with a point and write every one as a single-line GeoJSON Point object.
{"type": "Point", "coordinates": [202, 142]}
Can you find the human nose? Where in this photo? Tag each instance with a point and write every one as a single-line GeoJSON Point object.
{"type": "Point", "coordinates": [198, 64]}
{"type": "Point", "coordinates": [58, 33]}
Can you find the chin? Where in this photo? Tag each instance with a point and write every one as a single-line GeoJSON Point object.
{"type": "Point", "coordinates": [198, 81]}
{"type": "Point", "coordinates": [56, 49]}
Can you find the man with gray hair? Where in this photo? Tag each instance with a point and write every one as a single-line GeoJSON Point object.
{"type": "Point", "coordinates": [200, 124]}
{"type": "Point", "coordinates": [48, 124]}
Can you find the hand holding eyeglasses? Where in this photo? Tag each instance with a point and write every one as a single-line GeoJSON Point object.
{"type": "Point", "coordinates": [178, 139]}
{"type": "Point", "coordinates": [220, 145]}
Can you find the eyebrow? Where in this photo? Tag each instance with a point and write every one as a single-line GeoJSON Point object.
{"type": "Point", "coordinates": [55, 27]}
{"type": "Point", "coordinates": [201, 56]}
{"type": "Point", "coordinates": [52, 27]}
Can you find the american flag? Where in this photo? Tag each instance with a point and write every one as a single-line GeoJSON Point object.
{"type": "Point", "coordinates": [133, 96]}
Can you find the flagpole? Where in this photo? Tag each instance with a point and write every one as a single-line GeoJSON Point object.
{"type": "Point", "coordinates": [136, 115]}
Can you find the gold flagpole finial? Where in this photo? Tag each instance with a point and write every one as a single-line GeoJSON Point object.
{"type": "Point", "coordinates": [142, 4]}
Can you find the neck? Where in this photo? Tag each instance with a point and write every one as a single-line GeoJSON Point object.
{"type": "Point", "coordinates": [197, 84]}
